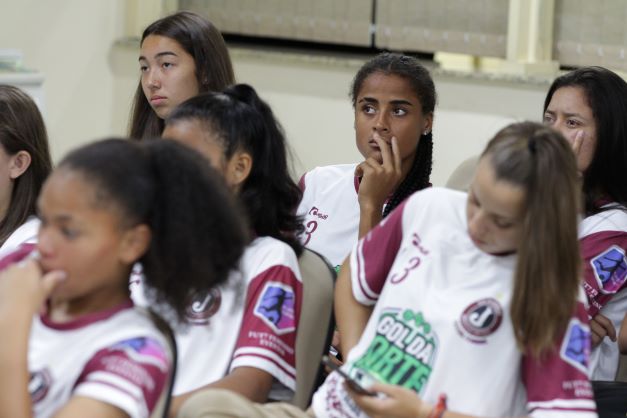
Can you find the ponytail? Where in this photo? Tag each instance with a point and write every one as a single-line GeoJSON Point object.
{"type": "Point", "coordinates": [197, 237]}
{"type": "Point", "coordinates": [548, 271]}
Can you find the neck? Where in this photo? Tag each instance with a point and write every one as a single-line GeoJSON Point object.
{"type": "Point", "coordinates": [65, 310]}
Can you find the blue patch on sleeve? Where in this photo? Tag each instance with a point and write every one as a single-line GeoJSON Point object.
{"type": "Point", "coordinates": [610, 269]}
{"type": "Point", "coordinates": [576, 346]}
{"type": "Point", "coordinates": [275, 307]}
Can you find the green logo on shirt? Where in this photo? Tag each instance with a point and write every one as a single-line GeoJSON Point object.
{"type": "Point", "coordinates": [402, 351]}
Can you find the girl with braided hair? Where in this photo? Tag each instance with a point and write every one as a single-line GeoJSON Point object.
{"type": "Point", "coordinates": [394, 98]}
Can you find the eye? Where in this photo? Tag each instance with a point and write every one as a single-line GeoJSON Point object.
{"type": "Point", "coordinates": [69, 233]}
{"type": "Point", "coordinates": [572, 123]}
{"type": "Point", "coordinates": [548, 118]}
{"type": "Point", "coordinates": [399, 111]}
{"type": "Point", "coordinates": [368, 109]}
{"type": "Point", "coordinates": [503, 224]}
{"type": "Point", "coordinates": [167, 65]}
{"type": "Point", "coordinates": [143, 68]}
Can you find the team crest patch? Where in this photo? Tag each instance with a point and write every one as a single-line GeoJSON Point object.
{"type": "Point", "coordinates": [39, 384]}
{"type": "Point", "coordinates": [610, 269]}
{"type": "Point", "coordinates": [275, 307]}
{"type": "Point", "coordinates": [144, 350]}
{"type": "Point", "coordinates": [576, 345]}
{"type": "Point", "coordinates": [479, 320]}
{"type": "Point", "coordinates": [204, 307]}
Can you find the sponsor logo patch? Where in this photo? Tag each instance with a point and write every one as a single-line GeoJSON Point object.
{"type": "Point", "coordinates": [275, 307]}
{"type": "Point", "coordinates": [204, 307]}
{"type": "Point", "coordinates": [144, 350]}
{"type": "Point", "coordinates": [610, 269]}
{"type": "Point", "coordinates": [479, 320]}
{"type": "Point", "coordinates": [39, 384]}
{"type": "Point", "coordinates": [575, 348]}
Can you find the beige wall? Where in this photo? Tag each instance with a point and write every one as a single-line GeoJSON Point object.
{"type": "Point", "coordinates": [90, 78]}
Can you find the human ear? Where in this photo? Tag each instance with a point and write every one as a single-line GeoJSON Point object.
{"type": "Point", "coordinates": [238, 169]}
{"type": "Point", "coordinates": [135, 243]}
{"type": "Point", "coordinates": [428, 124]}
{"type": "Point", "coordinates": [18, 164]}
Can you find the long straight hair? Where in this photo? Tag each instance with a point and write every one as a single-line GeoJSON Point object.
{"type": "Point", "coordinates": [22, 129]}
{"type": "Point", "coordinates": [548, 272]}
{"type": "Point", "coordinates": [214, 71]}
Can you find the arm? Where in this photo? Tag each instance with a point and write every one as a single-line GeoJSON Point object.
{"type": "Point", "coordinates": [250, 382]}
{"type": "Point", "coordinates": [351, 316]}
{"type": "Point", "coordinates": [23, 291]}
{"type": "Point", "coordinates": [378, 182]}
{"type": "Point", "coordinates": [622, 336]}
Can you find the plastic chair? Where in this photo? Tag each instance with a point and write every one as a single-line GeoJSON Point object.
{"type": "Point", "coordinates": [316, 324]}
{"type": "Point", "coordinates": [462, 176]}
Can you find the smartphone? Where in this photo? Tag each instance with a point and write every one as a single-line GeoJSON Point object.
{"type": "Point", "coordinates": [354, 384]}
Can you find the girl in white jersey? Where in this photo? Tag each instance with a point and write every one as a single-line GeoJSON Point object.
{"type": "Point", "coordinates": [394, 98]}
{"type": "Point", "coordinates": [588, 106]}
{"type": "Point", "coordinates": [106, 206]}
{"type": "Point", "coordinates": [472, 298]}
{"type": "Point", "coordinates": [247, 343]}
{"type": "Point", "coordinates": [181, 55]}
{"type": "Point", "coordinates": [24, 165]}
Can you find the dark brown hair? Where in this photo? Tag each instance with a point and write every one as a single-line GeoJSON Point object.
{"type": "Point", "coordinates": [214, 71]}
{"type": "Point", "coordinates": [423, 87]}
{"type": "Point", "coordinates": [22, 129]}
{"type": "Point", "coordinates": [547, 278]}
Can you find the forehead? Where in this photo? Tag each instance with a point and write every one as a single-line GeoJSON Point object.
{"type": "Point", "coordinates": [155, 44]}
{"type": "Point", "coordinates": [388, 87]}
{"type": "Point", "coordinates": [71, 193]}
{"type": "Point", "coordinates": [499, 197]}
{"type": "Point", "coordinates": [570, 99]}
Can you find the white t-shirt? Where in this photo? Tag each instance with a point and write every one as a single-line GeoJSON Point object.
{"type": "Point", "coordinates": [603, 239]}
{"type": "Point", "coordinates": [25, 234]}
{"type": "Point", "coordinates": [441, 322]}
{"type": "Point", "coordinates": [116, 356]}
{"type": "Point", "coordinates": [331, 211]}
{"type": "Point", "coordinates": [249, 321]}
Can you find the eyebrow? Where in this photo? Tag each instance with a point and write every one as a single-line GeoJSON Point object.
{"type": "Point", "coordinates": [396, 102]}
{"type": "Point", "coordinates": [568, 115]}
{"type": "Point", "coordinates": [159, 55]}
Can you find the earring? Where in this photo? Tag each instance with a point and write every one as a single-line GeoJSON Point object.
{"type": "Point", "coordinates": [425, 132]}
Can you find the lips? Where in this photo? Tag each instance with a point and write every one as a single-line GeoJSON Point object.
{"type": "Point", "coordinates": [156, 100]}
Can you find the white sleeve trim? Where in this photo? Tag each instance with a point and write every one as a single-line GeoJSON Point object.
{"type": "Point", "coordinates": [361, 291]}
{"type": "Point", "coordinates": [110, 394]}
{"type": "Point", "coordinates": [564, 403]}
{"type": "Point", "coordinates": [255, 351]}
{"type": "Point", "coordinates": [266, 365]}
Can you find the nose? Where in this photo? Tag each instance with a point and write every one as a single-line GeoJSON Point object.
{"type": "Point", "coordinates": [381, 124]}
{"type": "Point", "coordinates": [44, 243]}
{"type": "Point", "coordinates": [152, 80]}
{"type": "Point", "coordinates": [477, 225]}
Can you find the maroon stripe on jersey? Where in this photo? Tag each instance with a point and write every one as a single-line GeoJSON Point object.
{"type": "Point", "coordinates": [267, 325]}
{"type": "Point", "coordinates": [377, 251]}
{"type": "Point", "coordinates": [17, 255]}
{"type": "Point", "coordinates": [86, 320]}
{"type": "Point", "coordinates": [301, 183]}
{"type": "Point", "coordinates": [356, 181]}
{"type": "Point", "coordinates": [147, 377]}
{"type": "Point", "coordinates": [561, 373]}
{"type": "Point", "coordinates": [270, 359]}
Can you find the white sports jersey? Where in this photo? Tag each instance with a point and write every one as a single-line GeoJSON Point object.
{"type": "Point", "coordinates": [603, 239]}
{"type": "Point", "coordinates": [441, 322]}
{"type": "Point", "coordinates": [331, 211]}
{"type": "Point", "coordinates": [250, 321]}
{"type": "Point", "coordinates": [25, 234]}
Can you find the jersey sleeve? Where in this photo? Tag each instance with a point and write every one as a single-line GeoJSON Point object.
{"type": "Point", "coordinates": [558, 384]}
{"type": "Point", "coordinates": [17, 255]}
{"type": "Point", "coordinates": [130, 375]}
{"type": "Point", "coordinates": [372, 257]}
{"type": "Point", "coordinates": [267, 338]}
{"type": "Point", "coordinates": [605, 266]}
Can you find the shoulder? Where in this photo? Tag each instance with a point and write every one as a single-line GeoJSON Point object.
{"type": "Point", "coordinates": [266, 252]}
{"type": "Point", "coordinates": [25, 234]}
{"type": "Point", "coordinates": [607, 220]}
{"type": "Point", "coordinates": [329, 173]}
{"type": "Point", "coordinates": [438, 199]}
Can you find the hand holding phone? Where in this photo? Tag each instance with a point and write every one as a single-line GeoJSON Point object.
{"type": "Point", "coordinates": [352, 383]}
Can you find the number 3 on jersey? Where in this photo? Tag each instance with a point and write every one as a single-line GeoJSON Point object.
{"type": "Point", "coordinates": [309, 229]}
